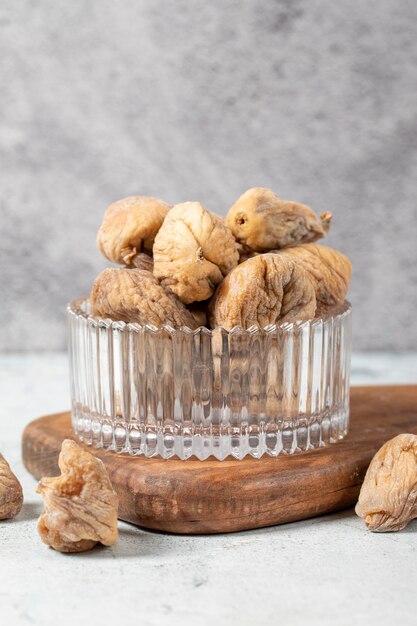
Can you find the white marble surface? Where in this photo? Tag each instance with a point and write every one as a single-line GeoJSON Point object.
{"type": "Point", "coordinates": [327, 571]}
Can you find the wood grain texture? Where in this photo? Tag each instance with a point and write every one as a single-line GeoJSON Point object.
{"type": "Point", "coordinates": [225, 496]}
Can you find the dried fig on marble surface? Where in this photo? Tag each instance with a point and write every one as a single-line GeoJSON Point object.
{"type": "Point", "coordinates": [388, 497]}
{"type": "Point", "coordinates": [133, 295]}
{"type": "Point", "coordinates": [80, 505]}
{"type": "Point", "coordinates": [11, 494]}
{"type": "Point", "coordinates": [129, 227]}
{"type": "Point", "coordinates": [330, 272]}
{"type": "Point", "coordinates": [262, 221]}
{"type": "Point", "coordinates": [142, 261]}
{"type": "Point", "coordinates": [266, 289]}
{"type": "Point", "coordinates": [193, 251]}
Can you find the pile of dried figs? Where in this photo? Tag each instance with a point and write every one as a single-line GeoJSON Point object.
{"type": "Point", "coordinates": [186, 266]}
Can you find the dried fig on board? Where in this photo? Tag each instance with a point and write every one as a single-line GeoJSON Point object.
{"type": "Point", "coordinates": [261, 221]}
{"type": "Point", "coordinates": [388, 497]}
{"type": "Point", "coordinates": [330, 272]}
{"type": "Point", "coordinates": [80, 505]}
{"type": "Point", "coordinates": [129, 227]}
{"type": "Point", "coordinates": [264, 290]}
{"type": "Point", "coordinates": [133, 295]}
{"type": "Point", "coordinates": [193, 251]}
{"type": "Point", "coordinates": [11, 494]}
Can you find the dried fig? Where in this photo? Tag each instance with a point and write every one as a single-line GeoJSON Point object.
{"type": "Point", "coordinates": [11, 494]}
{"type": "Point", "coordinates": [80, 505]}
{"type": "Point", "coordinates": [261, 221]}
{"type": "Point", "coordinates": [388, 497]}
{"type": "Point", "coordinates": [133, 295]}
{"type": "Point", "coordinates": [142, 261]}
{"type": "Point", "coordinates": [264, 290]}
{"type": "Point", "coordinates": [129, 227]}
{"type": "Point", "coordinates": [193, 251]}
{"type": "Point", "coordinates": [330, 272]}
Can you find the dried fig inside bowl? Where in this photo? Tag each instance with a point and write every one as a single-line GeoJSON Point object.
{"type": "Point", "coordinates": [266, 289]}
{"type": "Point", "coordinates": [129, 227]}
{"type": "Point", "coordinates": [262, 221]}
{"type": "Point", "coordinates": [134, 295]}
{"type": "Point", "coordinates": [329, 270]}
{"type": "Point", "coordinates": [193, 251]}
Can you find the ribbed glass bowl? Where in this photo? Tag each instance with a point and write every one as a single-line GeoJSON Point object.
{"type": "Point", "coordinates": [164, 392]}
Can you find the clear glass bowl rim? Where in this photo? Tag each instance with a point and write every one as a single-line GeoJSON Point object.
{"type": "Point", "coordinates": [77, 307]}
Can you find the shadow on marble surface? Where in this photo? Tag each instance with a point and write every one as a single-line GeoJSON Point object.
{"type": "Point", "coordinates": [132, 543]}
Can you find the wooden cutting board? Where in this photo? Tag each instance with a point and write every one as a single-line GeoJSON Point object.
{"type": "Point", "coordinates": [224, 496]}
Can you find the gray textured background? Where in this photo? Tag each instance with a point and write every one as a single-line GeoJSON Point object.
{"type": "Point", "coordinates": [199, 100]}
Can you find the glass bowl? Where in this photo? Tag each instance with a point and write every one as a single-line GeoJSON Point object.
{"type": "Point", "coordinates": [164, 392]}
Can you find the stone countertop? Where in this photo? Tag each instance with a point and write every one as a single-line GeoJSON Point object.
{"type": "Point", "coordinates": [328, 570]}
